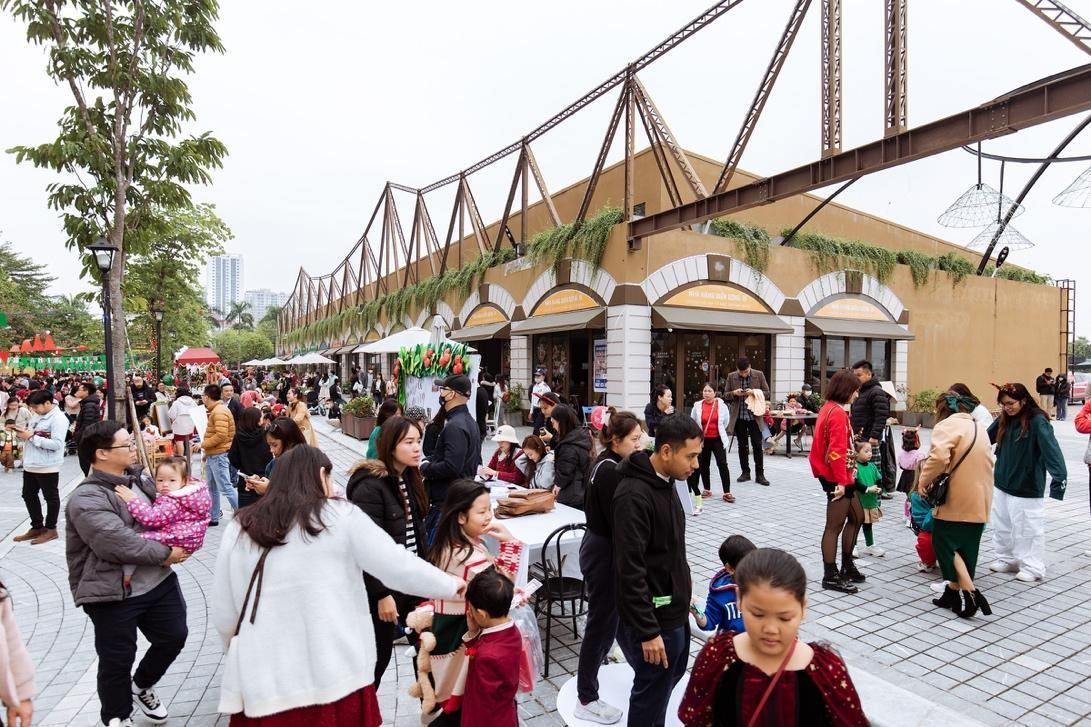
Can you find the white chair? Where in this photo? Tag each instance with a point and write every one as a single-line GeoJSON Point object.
{"type": "Point", "coordinates": [492, 422]}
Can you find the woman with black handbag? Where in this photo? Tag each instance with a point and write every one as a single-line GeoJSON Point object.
{"type": "Point", "coordinates": [957, 479]}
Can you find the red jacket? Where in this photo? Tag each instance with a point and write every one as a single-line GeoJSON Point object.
{"type": "Point", "coordinates": [506, 469]}
{"type": "Point", "coordinates": [831, 445]}
{"type": "Point", "coordinates": [492, 678]}
{"type": "Point", "coordinates": [1083, 419]}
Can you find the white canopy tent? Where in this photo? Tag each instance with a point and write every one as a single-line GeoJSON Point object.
{"type": "Point", "coordinates": [254, 362]}
{"type": "Point", "coordinates": [274, 361]}
{"type": "Point", "coordinates": [309, 358]}
{"type": "Point", "coordinates": [397, 341]}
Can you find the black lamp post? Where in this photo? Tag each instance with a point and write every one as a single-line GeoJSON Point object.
{"type": "Point", "coordinates": [157, 311]}
{"type": "Point", "coordinates": [104, 260]}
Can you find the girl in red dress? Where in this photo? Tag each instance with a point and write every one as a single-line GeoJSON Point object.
{"type": "Point", "coordinates": [766, 676]}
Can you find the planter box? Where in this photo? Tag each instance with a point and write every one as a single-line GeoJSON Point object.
{"type": "Point", "coordinates": [911, 418]}
{"type": "Point", "coordinates": [928, 420]}
{"type": "Point", "coordinates": [357, 427]}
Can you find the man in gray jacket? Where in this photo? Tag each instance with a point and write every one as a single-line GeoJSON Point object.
{"type": "Point", "coordinates": [43, 455]}
{"type": "Point", "coordinates": [100, 536]}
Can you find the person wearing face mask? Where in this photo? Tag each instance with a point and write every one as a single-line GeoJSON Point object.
{"type": "Point", "coordinates": [458, 450]}
{"type": "Point", "coordinates": [390, 490]}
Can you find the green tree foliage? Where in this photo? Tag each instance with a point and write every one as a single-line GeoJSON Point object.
{"type": "Point", "coordinates": [174, 244]}
{"type": "Point", "coordinates": [239, 317]}
{"type": "Point", "coordinates": [30, 311]}
{"type": "Point", "coordinates": [235, 346]}
{"type": "Point", "coordinates": [1081, 349]}
{"type": "Point", "coordinates": [118, 147]}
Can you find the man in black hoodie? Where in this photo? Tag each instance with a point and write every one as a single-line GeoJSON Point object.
{"type": "Point", "coordinates": [90, 413]}
{"type": "Point", "coordinates": [458, 450]}
{"type": "Point", "coordinates": [651, 570]}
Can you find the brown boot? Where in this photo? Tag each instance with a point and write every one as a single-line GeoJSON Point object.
{"type": "Point", "coordinates": [45, 537]}
{"type": "Point", "coordinates": [29, 535]}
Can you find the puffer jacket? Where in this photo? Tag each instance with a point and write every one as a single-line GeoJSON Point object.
{"type": "Point", "coordinates": [181, 423]}
{"type": "Point", "coordinates": [376, 491]}
{"type": "Point", "coordinates": [99, 537]}
{"type": "Point", "coordinates": [90, 413]}
{"type": "Point", "coordinates": [220, 430]}
{"type": "Point", "coordinates": [870, 411]}
{"type": "Point", "coordinates": [571, 466]}
{"type": "Point", "coordinates": [250, 455]}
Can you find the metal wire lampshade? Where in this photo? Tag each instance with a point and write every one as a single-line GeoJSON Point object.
{"type": "Point", "coordinates": [1077, 194]}
{"type": "Point", "coordinates": [976, 207]}
{"type": "Point", "coordinates": [1010, 238]}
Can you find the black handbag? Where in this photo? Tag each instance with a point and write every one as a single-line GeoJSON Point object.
{"type": "Point", "coordinates": [936, 494]}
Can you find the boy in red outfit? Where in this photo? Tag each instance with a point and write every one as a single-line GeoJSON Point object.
{"type": "Point", "coordinates": [493, 648]}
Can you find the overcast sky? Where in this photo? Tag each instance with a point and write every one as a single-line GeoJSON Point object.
{"type": "Point", "coordinates": [319, 108]}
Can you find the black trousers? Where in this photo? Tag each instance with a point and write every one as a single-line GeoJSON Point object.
{"type": "Point", "coordinates": [652, 685]}
{"type": "Point", "coordinates": [703, 474]}
{"type": "Point", "coordinates": [748, 434]}
{"type": "Point", "coordinates": [597, 566]}
{"type": "Point", "coordinates": [159, 614]}
{"type": "Point", "coordinates": [46, 483]}
{"type": "Point", "coordinates": [387, 633]}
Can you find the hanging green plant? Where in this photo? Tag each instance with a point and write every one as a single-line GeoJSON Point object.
{"type": "Point", "coordinates": [1019, 275]}
{"type": "Point", "coordinates": [586, 241]}
{"type": "Point", "coordinates": [956, 266]}
{"type": "Point", "coordinates": [920, 265]}
{"type": "Point", "coordinates": [754, 240]}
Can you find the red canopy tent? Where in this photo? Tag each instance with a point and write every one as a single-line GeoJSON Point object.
{"type": "Point", "coordinates": [198, 356]}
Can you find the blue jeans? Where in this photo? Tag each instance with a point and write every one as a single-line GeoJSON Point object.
{"type": "Point", "coordinates": [218, 472]}
{"type": "Point", "coordinates": [1062, 408]}
{"type": "Point", "coordinates": [652, 685]}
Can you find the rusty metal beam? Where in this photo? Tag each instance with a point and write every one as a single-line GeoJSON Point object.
{"type": "Point", "coordinates": [539, 181]}
{"type": "Point", "coordinates": [1063, 20]}
{"type": "Point", "coordinates": [896, 59]}
{"type": "Point", "coordinates": [627, 188]}
{"type": "Point", "coordinates": [604, 150]}
{"type": "Point", "coordinates": [1037, 103]}
{"type": "Point", "coordinates": [657, 120]}
{"type": "Point", "coordinates": [791, 30]}
{"type": "Point", "coordinates": [511, 201]}
{"type": "Point", "coordinates": [660, 156]}
{"type": "Point", "coordinates": [831, 76]}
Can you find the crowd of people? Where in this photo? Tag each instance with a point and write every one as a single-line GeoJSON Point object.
{"type": "Point", "coordinates": [314, 583]}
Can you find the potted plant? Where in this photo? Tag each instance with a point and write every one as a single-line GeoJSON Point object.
{"type": "Point", "coordinates": [514, 403]}
{"type": "Point", "coordinates": [358, 417]}
{"type": "Point", "coordinates": [923, 404]}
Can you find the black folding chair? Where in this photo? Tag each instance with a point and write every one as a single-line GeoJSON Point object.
{"type": "Point", "coordinates": [558, 589]}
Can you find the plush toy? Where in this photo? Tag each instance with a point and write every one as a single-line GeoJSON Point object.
{"type": "Point", "coordinates": [420, 620]}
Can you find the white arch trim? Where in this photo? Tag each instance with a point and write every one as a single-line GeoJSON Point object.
{"type": "Point", "coordinates": [694, 269]}
{"type": "Point", "coordinates": [834, 284]}
{"type": "Point", "coordinates": [599, 281]}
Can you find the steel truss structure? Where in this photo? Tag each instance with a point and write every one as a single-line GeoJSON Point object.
{"type": "Point", "coordinates": [385, 259]}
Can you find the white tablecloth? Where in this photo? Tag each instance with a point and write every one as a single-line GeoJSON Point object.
{"type": "Point", "coordinates": [532, 530]}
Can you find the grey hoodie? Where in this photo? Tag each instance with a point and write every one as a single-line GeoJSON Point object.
{"type": "Point", "coordinates": [44, 452]}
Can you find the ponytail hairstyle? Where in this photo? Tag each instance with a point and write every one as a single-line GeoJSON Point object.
{"type": "Point", "coordinates": [620, 425]}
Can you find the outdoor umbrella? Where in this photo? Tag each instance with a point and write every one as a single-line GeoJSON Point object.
{"type": "Point", "coordinates": [309, 358]}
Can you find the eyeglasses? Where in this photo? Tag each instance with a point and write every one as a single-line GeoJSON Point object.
{"type": "Point", "coordinates": [131, 446]}
{"type": "Point", "coordinates": [1008, 404]}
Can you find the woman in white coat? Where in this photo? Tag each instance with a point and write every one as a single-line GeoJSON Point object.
{"type": "Point", "coordinates": [712, 414]}
{"type": "Point", "coordinates": [291, 607]}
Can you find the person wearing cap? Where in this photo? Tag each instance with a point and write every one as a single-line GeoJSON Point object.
{"type": "Point", "coordinates": [537, 416]}
{"type": "Point", "coordinates": [458, 450]}
{"type": "Point", "coordinates": [502, 465]}
{"type": "Point", "coordinates": [547, 402]}
{"type": "Point", "coordinates": [807, 399]}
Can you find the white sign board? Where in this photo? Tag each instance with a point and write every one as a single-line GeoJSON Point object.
{"type": "Point", "coordinates": [199, 415]}
{"type": "Point", "coordinates": [424, 393]}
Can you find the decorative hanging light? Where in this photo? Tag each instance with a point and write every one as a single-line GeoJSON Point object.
{"type": "Point", "coordinates": [1077, 194]}
{"type": "Point", "coordinates": [980, 204]}
{"type": "Point", "coordinates": [1010, 238]}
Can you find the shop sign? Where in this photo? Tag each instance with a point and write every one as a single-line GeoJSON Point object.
{"type": "Point", "coordinates": [565, 301]}
{"type": "Point", "coordinates": [599, 365]}
{"type": "Point", "coordinates": [485, 315]}
{"type": "Point", "coordinates": [717, 297]}
{"type": "Point", "coordinates": [855, 309]}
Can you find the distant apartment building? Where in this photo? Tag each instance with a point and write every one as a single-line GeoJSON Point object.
{"type": "Point", "coordinates": [223, 282]}
{"type": "Point", "coordinates": [260, 300]}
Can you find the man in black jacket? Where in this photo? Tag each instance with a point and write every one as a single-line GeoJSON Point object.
{"type": "Point", "coordinates": [90, 413]}
{"type": "Point", "coordinates": [458, 451]}
{"type": "Point", "coordinates": [869, 414]}
{"type": "Point", "coordinates": [143, 396]}
{"type": "Point", "coordinates": [650, 566]}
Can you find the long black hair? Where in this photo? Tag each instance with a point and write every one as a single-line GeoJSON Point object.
{"type": "Point", "coordinates": [450, 539]}
{"type": "Point", "coordinates": [392, 433]}
{"type": "Point", "coordinates": [295, 498]}
{"type": "Point", "coordinates": [566, 419]}
{"type": "Point", "coordinates": [287, 432]}
{"type": "Point", "coordinates": [1029, 410]}
{"type": "Point", "coordinates": [387, 409]}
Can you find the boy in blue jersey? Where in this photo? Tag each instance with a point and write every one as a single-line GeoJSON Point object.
{"type": "Point", "coordinates": [722, 605]}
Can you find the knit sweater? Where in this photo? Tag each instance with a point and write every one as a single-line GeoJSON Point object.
{"type": "Point", "coordinates": [311, 641]}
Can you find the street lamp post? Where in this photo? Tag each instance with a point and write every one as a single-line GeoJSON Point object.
{"type": "Point", "coordinates": [104, 260]}
{"type": "Point", "coordinates": [157, 311]}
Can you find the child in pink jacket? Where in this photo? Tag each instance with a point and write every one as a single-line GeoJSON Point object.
{"type": "Point", "coordinates": [179, 516]}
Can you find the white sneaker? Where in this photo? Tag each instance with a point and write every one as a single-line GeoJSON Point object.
{"type": "Point", "coordinates": [938, 586]}
{"type": "Point", "coordinates": [909, 523]}
{"type": "Point", "coordinates": [875, 551]}
{"type": "Point", "coordinates": [696, 511]}
{"type": "Point", "coordinates": [999, 566]}
{"type": "Point", "coordinates": [147, 701]}
{"type": "Point", "coordinates": [598, 711]}
{"type": "Point", "coordinates": [118, 722]}
{"type": "Point", "coordinates": [924, 568]}
{"type": "Point", "coordinates": [1026, 577]}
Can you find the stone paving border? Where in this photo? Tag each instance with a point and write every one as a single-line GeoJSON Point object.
{"type": "Point", "coordinates": [1030, 664]}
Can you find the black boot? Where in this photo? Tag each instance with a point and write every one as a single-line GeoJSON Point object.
{"type": "Point", "coordinates": [983, 604]}
{"type": "Point", "coordinates": [950, 599]}
{"type": "Point", "coordinates": [849, 574]}
{"type": "Point", "coordinates": [832, 580]}
{"type": "Point", "coordinates": [967, 604]}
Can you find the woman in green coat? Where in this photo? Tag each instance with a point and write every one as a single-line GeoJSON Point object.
{"type": "Point", "coordinates": [1025, 450]}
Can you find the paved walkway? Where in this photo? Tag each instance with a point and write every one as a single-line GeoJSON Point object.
{"type": "Point", "coordinates": [1029, 664]}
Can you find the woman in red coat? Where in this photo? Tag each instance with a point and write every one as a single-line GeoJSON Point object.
{"type": "Point", "coordinates": [833, 462]}
{"type": "Point", "coordinates": [502, 465]}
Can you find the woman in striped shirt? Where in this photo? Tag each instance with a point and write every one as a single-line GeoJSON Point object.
{"type": "Point", "coordinates": [390, 490]}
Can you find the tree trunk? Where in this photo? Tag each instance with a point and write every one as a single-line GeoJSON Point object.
{"type": "Point", "coordinates": [117, 391]}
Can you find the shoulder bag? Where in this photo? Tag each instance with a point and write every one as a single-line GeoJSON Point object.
{"type": "Point", "coordinates": [936, 494]}
{"type": "Point", "coordinates": [525, 502]}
